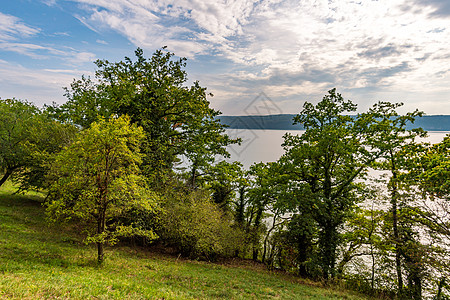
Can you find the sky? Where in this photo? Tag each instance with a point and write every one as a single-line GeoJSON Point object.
{"type": "Point", "coordinates": [254, 56]}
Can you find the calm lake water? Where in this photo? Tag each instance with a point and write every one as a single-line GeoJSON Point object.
{"type": "Point", "coordinates": [265, 145]}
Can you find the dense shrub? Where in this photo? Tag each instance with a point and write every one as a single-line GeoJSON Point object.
{"type": "Point", "coordinates": [198, 228]}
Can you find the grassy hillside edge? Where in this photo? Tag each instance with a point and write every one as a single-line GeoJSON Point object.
{"type": "Point", "coordinates": [38, 261]}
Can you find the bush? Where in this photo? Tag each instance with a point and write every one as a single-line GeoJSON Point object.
{"type": "Point", "coordinates": [198, 228]}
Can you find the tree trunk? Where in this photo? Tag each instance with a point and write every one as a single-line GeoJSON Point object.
{"type": "Point", "coordinates": [256, 226]}
{"type": "Point", "coordinates": [193, 176]}
{"type": "Point", "coordinates": [328, 243]}
{"type": "Point", "coordinates": [100, 253]}
{"type": "Point", "coordinates": [240, 210]}
{"type": "Point", "coordinates": [440, 285]}
{"type": "Point", "coordinates": [6, 176]}
{"type": "Point", "coordinates": [329, 233]}
{"type": "Point", "coordinates": [417, 287]}
{"type": "Point", "coordinates": [100, 229]}
{"type": "Point", "coordinates": [275, 215]}
{"type": "Point", "coordinates": [255, 253]}
{"type": "Point", "coordinates": [398, 266]}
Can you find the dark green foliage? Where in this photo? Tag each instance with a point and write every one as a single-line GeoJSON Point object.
{"type": "Point", "coordinates": [222, 180]}
{"type": "Point", "coordinates": [431, 169]}
{"type": "Point", "coordinates": [323, 164]}
{"type": "Point", "coordinates": [176, 118]}
{"type": "Point", "coordinates": [300, 242]}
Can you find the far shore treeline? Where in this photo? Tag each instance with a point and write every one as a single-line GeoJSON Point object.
{"type": "Point", "coordinates": [284, 122]}
{"type": "Point", "coordinates": [137, 156]}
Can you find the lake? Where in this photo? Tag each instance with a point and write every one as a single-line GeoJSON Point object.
{"type": "Point", "coordinates": [265, 145]}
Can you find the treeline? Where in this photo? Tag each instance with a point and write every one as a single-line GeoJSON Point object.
{"type": "Point", "coordinates": [284, 122]}
{"type": "Point", "coordinates": [110, 159]}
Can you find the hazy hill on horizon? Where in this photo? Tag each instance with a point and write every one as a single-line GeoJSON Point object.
{"type": "Point", "coordinates": [284, 122]}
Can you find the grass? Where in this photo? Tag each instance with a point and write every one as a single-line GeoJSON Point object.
{"type": "Point", "coordinates": [38, 261]}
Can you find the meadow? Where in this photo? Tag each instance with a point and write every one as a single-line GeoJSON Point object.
{"type": "Point", "coordinates": [43, 261]}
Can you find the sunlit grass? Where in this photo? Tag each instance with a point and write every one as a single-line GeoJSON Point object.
{"type": "Point", "coordinates": [9, 188]}
{"type": "Point", "coordinates": [38, 261]}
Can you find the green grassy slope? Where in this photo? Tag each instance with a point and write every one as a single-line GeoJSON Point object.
{"type": "Point", "coordinates": [42, 262]}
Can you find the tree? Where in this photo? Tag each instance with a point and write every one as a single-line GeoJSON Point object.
{"type": "Point", "coordinates": [97, 179]}
{"type": "Point", "coordinates": [206, 143]}
{"type": "Point", "coordinates": [426, 179]}
{"type": "Point", "coordinates": [197, 227]}
{"type": "Point", "coordinates": [28, 138]}
{"type": "Point", "coordinates": [222, 179]}
{"type": "Point", "coordinates": [263, 192]}
{"type": "Point", "coordinates": [176, 118]}
{"type": "Point", "coordinates": [323, 164]}
{"type": "Point", "coordinates": [393, 139]}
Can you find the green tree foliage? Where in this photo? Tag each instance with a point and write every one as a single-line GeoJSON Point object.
{"type": "Point", "coordinates": [263, 193]}
{"type": "Point", "coordinates": [324, 162]}
{"type": "Point", "coordinates": [392, 137]}
{"type": "Point", "coordinates": [426, 181]}
{"type": "Point", "coordinates": [97, 179]}
{"type": "Point", "coordinates": [197, 227]}
{"type": "Point", "coordinates": [176, 118]}
{"type": "Point", "coordinates": [434, 170]}
{"type": "Point", "coordinates": [222, 180]}
{"type": "Point", "coordinates": [28, 138]}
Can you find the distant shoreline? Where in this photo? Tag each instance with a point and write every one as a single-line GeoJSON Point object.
{"type": "Point", "coordinates": [284, 122]}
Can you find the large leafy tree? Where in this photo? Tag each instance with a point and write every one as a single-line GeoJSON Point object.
{"type": "Point", "coordinates": [176, 118]}
{"type": "Point", "coordinates": [96, 180]}
{"type": "Point", "coordinates": [323, 164]}
{"type": "Point", "coordinates": [28, 138]}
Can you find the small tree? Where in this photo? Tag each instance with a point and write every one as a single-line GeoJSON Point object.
{"type": "Point", "coordinates": [97, 179]}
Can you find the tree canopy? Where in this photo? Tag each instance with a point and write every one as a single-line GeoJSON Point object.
{"type": "Point", "coordinates": [177, 119]}
{"type": "Point", "coordinates": [324, 162]}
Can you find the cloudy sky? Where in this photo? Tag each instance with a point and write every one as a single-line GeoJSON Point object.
{"type": "Point", "coordinates": [292, 51]}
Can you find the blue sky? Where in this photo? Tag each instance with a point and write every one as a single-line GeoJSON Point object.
{"type": "Point", "coordinates": [292, 51]}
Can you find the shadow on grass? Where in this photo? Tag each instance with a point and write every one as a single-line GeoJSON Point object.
{"type": "Point", "coordinates": [17, 257]}
{"type": "Point", "coordinates": [26, 240]}
{"type": "Point", "coordinates": [9, 200]}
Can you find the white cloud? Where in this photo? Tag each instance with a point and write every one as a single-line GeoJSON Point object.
{"type": "Point", "coordinates": [44, 85]}
{"type": "Point", "coordinates": [294, 48]}
{"type": "Point", "coordinates": [31, 50]}
{"type": "Point", "coordinates": [82, 57]}
{"type": "Point", "coordinates": [13, 32]}
{"type": "Point", "coordinates": [68, 55]}
{"type": "Point", "coordinates": [49, 2]}
{"type": "Point", "coordinates": [183, 25]}
{"type": "Point", "coordinates": [12, 27]}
